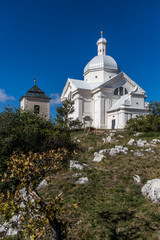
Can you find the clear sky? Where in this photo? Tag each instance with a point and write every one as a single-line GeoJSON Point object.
{"type": "Point", "coordinates": [53, 40]}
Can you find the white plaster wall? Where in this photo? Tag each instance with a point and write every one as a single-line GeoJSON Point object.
{"type": "Point", "coordinates": [137, 101]}
{"type": "Point", "coordinates": [108, 75]}
{"type": "Point", "coordinates": [94, 77]}
{"type": "Point", "coordinates": [122, 116]}
{"type": "Point", "coordinates": [29, 104]}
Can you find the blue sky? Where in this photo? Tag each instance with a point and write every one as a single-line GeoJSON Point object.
{"type": "Point", "coordinates": [53, 40]}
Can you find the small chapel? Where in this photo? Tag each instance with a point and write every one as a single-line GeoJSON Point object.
{"type": "Point", "coordinates": [37, 101]}
{"type": "Point", "coordinates": [107, 97]}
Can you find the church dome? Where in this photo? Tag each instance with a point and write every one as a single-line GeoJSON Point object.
{"type": "Point", "coordinates": [102, 61]}
{"type": "Point", "coordinates": [102, 40]}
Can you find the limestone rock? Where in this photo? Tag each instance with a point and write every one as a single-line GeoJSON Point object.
{"type": "Point", "coordinates": [138, 154]}
{"type": "Point", "coordinates": [120, 136]}
{"type": "Point", "coordinates": [151, 190]}
{"type": "Point", "coordinates": [12, 231]}
{"type": "Point", "coordinates": [42, 184]}
{"type": "Point", "coordinates": [131, 142]}
{"type": "Point", "coordinates": [149, 150]}
{"type": "Point", "coordinates": [112, 152]}
{"type": "Point", "coordinates": [137, 178]}
{"type": "Point", "coordinates": [98, 157]}
{"type": "Point", "coordinates": [91, 149]}
{"type": "Point", "coordinates": [4, 227]}
{"type": "Point", "coordinates": [118, 149]}
{"type": "Point", "coordinates": [103, 151]}
{"type": "Point", "coordinates": [7, 227]}
{"type": "Point", "coordinates": [23, 192]}
{"type": "Point", "coordinates": [155, 141]}
{"type": "Point", "coordinates": [108, 139]}
{"type": "Point", "coordinates": [16, 218]}
{"type": "Point", "coordinates": [137, 134]}
{"type": "Point", "coordinates": [25, 195]}
{"type": "Point", "coordinates": [75, 165]}
{"type": "Point", "coordinates": [142, 143]}
{"type": "Point", "coordinates": [77, 175]}
{"type": "Point", "coordinates": [83, 180]}
{"type": "Point", "coordinates": [112, 134]}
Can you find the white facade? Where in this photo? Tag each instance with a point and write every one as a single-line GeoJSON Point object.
{"type": "Point", "coordinates": [106, 98]}
{"type": "Point", "coordinates": [37, 101]}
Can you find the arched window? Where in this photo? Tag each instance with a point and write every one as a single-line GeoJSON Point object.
{"type": "Point", "coordinates": [116, 91]}
{"type": "Point", "coordinates": [120, 91]}
{"type": "Point", "coordinates": [36, 109]}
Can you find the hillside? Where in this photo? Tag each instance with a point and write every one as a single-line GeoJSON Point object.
{"type": "Point", "coordinates": [110, 204]}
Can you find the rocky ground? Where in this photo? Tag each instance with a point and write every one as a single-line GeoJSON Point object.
{"type": "Point", "coordinates": [113, 179]}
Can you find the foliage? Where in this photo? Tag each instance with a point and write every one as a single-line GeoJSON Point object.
{"type": "Point", "coordinates": [26, 131]}
{"type": "Point", "coordinates": [64, 119]}
{"type": "Point", "coordinates": [148, 123]}
{"type": "Point", "coordinates": [38, 215]}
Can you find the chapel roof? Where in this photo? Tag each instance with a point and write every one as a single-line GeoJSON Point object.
{"type": "Point", "coordinates": [119, 102]}
{"type": "Point", "coordinates": [36, 92]}
{"type": "Point", "coordinates": [79, 84]}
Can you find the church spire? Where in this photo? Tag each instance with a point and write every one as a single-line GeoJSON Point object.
{"type": "Point", "coordinates": [101, 31]}
{"type": "Point", "coordinates": [34, 81]}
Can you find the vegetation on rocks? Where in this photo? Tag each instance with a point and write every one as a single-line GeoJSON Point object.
{"type": "Point", "coordinates": [31, 149]}
{"type": "Point", "coordinates": [109, 205]}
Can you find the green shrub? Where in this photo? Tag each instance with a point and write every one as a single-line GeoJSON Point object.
{"type": "Point", "coordinates": [25, 132]}
{"type": "Point", "coordinates": [148, 123]}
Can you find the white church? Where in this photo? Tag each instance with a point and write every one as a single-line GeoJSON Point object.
{"type": "Point", "coordinates": [107, 97]}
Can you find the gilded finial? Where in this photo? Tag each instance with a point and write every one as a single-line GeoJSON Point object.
{"type": "Point", "coordinates": [101, 31]}
{"type": "Point", "coordinates": [34, 81]}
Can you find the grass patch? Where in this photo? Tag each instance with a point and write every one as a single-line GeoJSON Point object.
{"type": "Point", "coordinates": [111, 205]}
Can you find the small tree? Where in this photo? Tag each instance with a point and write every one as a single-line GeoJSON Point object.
{"type": "Point", "coordinates": [63, 119]}
{"type": "Point", "coordinates": [38, 216]}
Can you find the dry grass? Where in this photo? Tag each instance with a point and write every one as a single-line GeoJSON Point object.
{"type": "Point", "coordinates": [111, 205]}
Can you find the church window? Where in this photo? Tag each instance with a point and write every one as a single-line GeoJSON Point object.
{"type": "Point", "coordinates": [120, 91]}
{"type": "Point", "coordinates": [36, 109]}
{"type": "Point", "coordinates": [116, 91]}
{"type": "Point", "coordinates": [70, 96]}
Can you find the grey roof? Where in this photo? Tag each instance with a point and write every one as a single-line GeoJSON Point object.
{"type": "Point", "coordinates": [36, 92]}
{"type": "Point", "coordinates": [120, 102]}
{"type": "Point", "coordinates": [102, 61]}
{"type": "Point", "coordinates": [80, 84]}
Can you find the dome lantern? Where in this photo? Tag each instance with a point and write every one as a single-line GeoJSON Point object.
{"type": "Point", "coordinates": [102, 45]}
